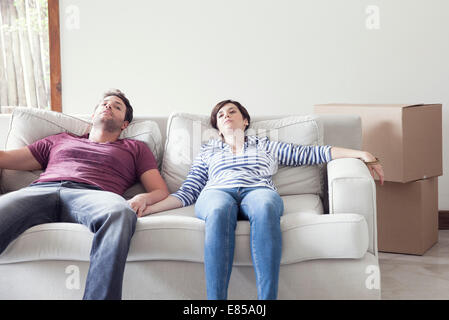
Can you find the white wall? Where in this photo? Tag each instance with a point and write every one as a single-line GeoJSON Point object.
{"type": "Point", "coordinates": [274, 56]}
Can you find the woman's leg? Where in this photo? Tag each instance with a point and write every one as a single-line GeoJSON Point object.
{"type": "Point", "coordinates": [263, 208]}
{"type": "Point", "coordinates": [219, 210]}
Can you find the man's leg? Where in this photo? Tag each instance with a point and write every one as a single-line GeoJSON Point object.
{"type": "Point", "coordinates": [25, 208]}
{"type": "Point", "coordinates": [113, 223]}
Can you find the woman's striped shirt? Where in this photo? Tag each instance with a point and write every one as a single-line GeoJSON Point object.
{"type": "Point", "coordinates": [216, 166]}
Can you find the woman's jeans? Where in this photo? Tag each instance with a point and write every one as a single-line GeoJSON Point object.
{"type": "Point", "coordinates": [220, 208]}
{"type": "Point", "coordinates": [106, 214]}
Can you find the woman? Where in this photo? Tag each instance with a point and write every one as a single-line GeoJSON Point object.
{"type": "Point", "coordinates": [231, 179]}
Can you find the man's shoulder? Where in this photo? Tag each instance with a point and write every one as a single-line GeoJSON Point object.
{"type": "Point", "coordinates": [135, 145]}
{"type": "Point", "coordinates": [66, 134]}
{"type": "Point", "coordinates": [133, 142]}
{"type": "Point", "coordinates": [72, 135]}
{"type": "Point", "coordinates": [59, 136]}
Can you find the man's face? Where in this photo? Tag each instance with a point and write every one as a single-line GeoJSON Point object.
{"type": "Point", "coordinates": [111, 114]}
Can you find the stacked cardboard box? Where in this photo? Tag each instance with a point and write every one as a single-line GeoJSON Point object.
{"type": "Point", "coordinates": [408, 141]}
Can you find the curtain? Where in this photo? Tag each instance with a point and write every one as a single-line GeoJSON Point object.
{"type": "Point", "coordinates": [24, 54]}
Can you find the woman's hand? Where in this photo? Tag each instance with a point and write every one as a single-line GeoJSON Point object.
{"type": "Point", "coordinates": [138, 203]}
{"type": "Point", "coordinates": [375, 168]}
{"type": "Point", "coordinates": [148, 210]}
{"type": "Point", "coordinates": [168, 203]}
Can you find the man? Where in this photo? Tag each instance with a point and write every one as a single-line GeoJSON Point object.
{"type": "Point", "coordinates": [83, 181]}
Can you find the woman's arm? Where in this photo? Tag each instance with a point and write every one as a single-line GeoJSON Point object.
{"type": "Point", "coordinates": [289, 154]}
{"type": "Point", "coordinates": [187, 193]}
{"type": "Point", "coordinates": [293, 155]}
{"type": "Point", "coordinates": [171, 202]}
{"type": "Point", "coordinates": [337, 153]}
{"type": "Point", "coordinates": [376, 168]}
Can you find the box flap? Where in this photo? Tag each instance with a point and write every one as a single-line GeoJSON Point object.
{"type": "Point", "coordinates": [367, 105]}
{"type": "Point", "coordinates": [423, 105]}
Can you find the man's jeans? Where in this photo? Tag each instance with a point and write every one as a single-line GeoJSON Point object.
{"type": "Point", "coordinates": [106, 214]}
{"type": "Point", "coordinates": [220, 209]}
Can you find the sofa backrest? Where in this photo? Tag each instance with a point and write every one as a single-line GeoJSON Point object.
{"type": "Point", "coordinates": [4, 127]}
{"type": "Point", "coordinates": [338, 130]}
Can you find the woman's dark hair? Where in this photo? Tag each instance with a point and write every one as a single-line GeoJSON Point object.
{"type": "Point", "coordinates": [216, 109]}
{"type": "Point", "coordinates": [117, 93]}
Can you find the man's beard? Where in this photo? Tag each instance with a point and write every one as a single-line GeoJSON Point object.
{"type": "Point", "coordinates": [108, 125]}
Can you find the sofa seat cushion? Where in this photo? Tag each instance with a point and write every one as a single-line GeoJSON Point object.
{"type": "Point", "coordinates": [178, 235]}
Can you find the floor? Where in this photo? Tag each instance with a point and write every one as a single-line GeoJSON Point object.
{"type": "Point", "coordinates": [408, 277]}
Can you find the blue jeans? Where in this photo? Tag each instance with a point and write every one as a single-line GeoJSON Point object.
{"type": "Point", "coordinates": [220, 208]}
{"type": "Point", "coordinates": [106, 214]}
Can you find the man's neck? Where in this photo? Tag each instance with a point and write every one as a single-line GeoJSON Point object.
{"type": "Point", "coordinates": [103, 136]}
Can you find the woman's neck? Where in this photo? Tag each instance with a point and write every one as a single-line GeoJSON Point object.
{"type": "Point", "coordinates": [236, 142]}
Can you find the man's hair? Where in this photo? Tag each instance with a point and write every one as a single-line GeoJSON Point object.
{"type": "Point", "coordinates": [216, 109]}
{"type": "Point", "coordinates": [117, 93]}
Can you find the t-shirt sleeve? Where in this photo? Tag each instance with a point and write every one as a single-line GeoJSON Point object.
{"type": "Point", "coordinates": [41, 150]}
{"type": "Point", "coordinates": [145, 159]}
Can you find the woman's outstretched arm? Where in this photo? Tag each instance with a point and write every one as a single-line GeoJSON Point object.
{"type": "Point", "coordinates": [290, 154]}
{"type": "Point", "coordinates": [375, 167]}
{"type": "Point", "coordinates": [171, 202]}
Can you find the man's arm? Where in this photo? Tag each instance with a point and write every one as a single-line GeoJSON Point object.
{"type": "Point", "coordinates": [156, 191]}
{"type": "Point", "coordinates": [19, 159]}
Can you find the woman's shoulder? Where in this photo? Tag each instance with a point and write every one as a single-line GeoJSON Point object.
{"type": "Point", "coordinates": [211, 145]}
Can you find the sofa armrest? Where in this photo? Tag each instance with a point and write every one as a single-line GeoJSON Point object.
{"type": "Point", "coordinates": [352, 190]}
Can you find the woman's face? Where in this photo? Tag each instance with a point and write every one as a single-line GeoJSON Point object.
{"type": "Point", "coordinates": [229, 119]}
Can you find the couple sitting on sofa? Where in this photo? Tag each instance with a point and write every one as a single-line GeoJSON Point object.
{"type": "Point", "coordinates": [85, 178]}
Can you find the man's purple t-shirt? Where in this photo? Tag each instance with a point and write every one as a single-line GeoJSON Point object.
{"type": "Point", "coordinates": [112, 166]}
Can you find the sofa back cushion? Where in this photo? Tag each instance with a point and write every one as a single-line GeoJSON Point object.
{"type": "Point", "coordinates": [187, 132]}
{"type": "Point", "coordinates": [28, 125]}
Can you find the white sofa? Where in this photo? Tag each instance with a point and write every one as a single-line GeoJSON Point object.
{"type": "Point", "coordinates": [329, 235]}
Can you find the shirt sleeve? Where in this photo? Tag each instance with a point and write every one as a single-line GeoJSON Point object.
{"type": "Point", "coordinates": [290, 154]}
{"type": "Point", "coordinates": [41, 149]}
{"type": "Point", "coordinates": [196, 179]}
{"type": "Point", "coordinates": [145, 159]}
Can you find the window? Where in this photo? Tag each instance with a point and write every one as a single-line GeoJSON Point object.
{"type": "Point", "coordinates": [30, 54]}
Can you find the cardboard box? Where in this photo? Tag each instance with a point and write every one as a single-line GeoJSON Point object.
{"type": "Point", "coordinates": [406, 138]}
{"type": "Point", "coordinates": [407, 216]}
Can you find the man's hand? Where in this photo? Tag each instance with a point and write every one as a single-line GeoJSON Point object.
{"type": "Point", "coordinates": [138, 203]}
